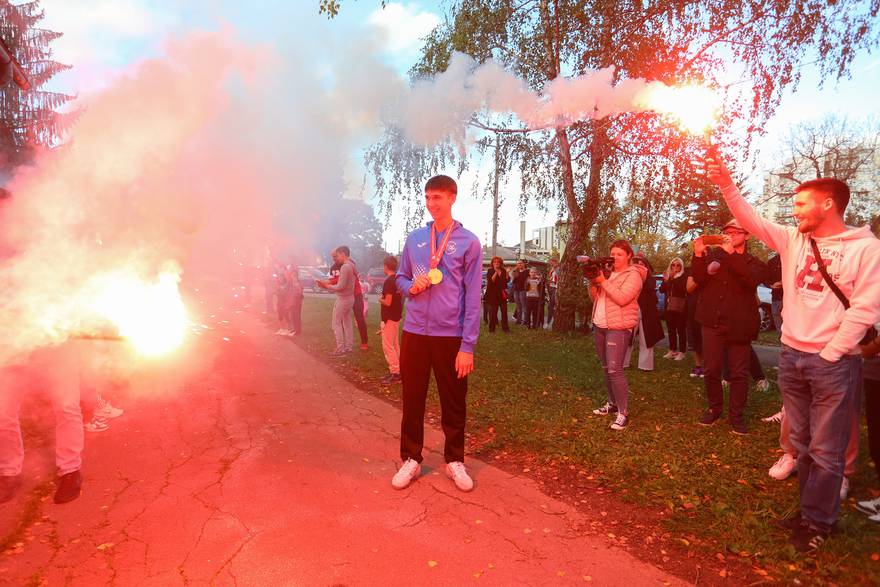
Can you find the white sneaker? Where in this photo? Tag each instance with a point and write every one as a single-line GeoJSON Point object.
{"type": "Point", "coordinates": [680, 356]}
{"type": "Point", "coordinates": [874, 518]}
{"type": "Point", "coordinates": [762, 385]}
{"type": "Point", "coordinates": [280, 332]}
{"type": "Point", "coordinates": [669, 355]}
{"type": "Point", "coordinates": [406, 474]}
{"type": "Point", "coordinates": [105, 410]}
{"type": "Point", "coordinates": [844, 489]}
{"type": "Point", "coordinates": [870, 507]}
{"type": "Point", "coordinates": [459, 475]}
{"type": "Point", "coordinates": [96, 424]}
{"type": "Point", "coordinates": [620, 422]}
{"type": "Point", "coordinates": [783, 467]}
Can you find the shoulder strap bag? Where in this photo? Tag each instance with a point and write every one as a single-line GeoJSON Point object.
{"type": "Point", "coordinates": [871, 334]}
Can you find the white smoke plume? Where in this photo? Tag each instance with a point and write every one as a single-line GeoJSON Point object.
{"type": "Point", "coordinates": [188, 166]}
{"type": "Point", "coordinates": [440, 108]}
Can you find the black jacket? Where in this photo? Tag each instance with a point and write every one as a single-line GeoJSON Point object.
{"type": "Point", "coordinates": [650, 316]}
{"type": "Point", "coordinates": [494, 287]}
{"type": "Point", "coordinates": [729, 297]}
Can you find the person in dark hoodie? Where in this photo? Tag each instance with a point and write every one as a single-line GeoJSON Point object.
{"type": "Point", "coordinates": [728, 313]}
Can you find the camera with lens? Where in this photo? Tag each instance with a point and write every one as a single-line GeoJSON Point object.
{"type": "Point", "coordinates": [594, 266]}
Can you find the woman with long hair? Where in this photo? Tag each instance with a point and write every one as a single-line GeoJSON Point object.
{"type": "Point", "coordinates": [675, 309]}
{"type": "Point", "coordinates": [496, 294]}
{"type": "Point", "coordinates": [615, 315]}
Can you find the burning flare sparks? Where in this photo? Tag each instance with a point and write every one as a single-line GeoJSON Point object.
{"type": "Point", "coordinates": [151, 316]}
{"type": "Point", "coordinates": [693, 108]}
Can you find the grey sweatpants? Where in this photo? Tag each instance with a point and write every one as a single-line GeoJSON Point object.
{"type": "Point", "coordinates": [342, 327]}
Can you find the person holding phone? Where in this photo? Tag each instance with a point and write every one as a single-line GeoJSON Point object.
{"type": "Point", "coordinates": [728, 314]}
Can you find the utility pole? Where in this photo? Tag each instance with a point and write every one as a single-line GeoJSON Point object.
{"type": "Point", "coordinates": [495, 198]}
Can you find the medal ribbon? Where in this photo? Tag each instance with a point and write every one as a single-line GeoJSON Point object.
{"type": "Point", "coordinates": [435, 255]}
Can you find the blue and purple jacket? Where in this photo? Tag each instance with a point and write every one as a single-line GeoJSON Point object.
{"type": "Point", "coordinates": [452, 307]}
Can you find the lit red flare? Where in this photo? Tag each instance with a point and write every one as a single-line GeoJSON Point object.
{"type": "Point", "coordinates": [693, 108]}
{"type": "Point", "coordinates": [151, 316]}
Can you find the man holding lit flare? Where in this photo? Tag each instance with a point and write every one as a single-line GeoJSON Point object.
{"type": "Point", "coordinates": [820, 362]}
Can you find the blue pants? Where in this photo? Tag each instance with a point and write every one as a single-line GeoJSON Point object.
{"type": "Point", "coordinates": [611, 346]}
{"type": "Point", "coordinates": [821, 400]}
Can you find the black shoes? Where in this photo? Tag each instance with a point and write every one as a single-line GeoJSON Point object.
{"type": "Point", "coordinates": [807, 539]}
{"type": "Point", "coordinates": [8, 486]}
{"type": "Point", "coordinates": [68, 487]}
{"type": "Point", "coordinates": [739, 428]}
{"type": "Point", "coordinates": [709, 417]}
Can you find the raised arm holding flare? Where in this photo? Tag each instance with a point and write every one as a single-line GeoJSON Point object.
{"type": "Point", "coordinates": [820, 362]}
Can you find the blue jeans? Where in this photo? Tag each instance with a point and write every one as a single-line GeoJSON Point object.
{"type": "Point", "coordinates": [776, 310]}
{"type": "Point", "coordinates": [611, 346]}
{"type": "Point", "coordinates": [520, 298]}
{"type": "Point", "coordinates": [821, 400]}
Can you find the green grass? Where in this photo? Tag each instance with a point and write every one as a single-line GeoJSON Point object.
{"type": "Point", "coordinates": [769, 337]}
{"type": "Point", "coordinates": [533, 392]}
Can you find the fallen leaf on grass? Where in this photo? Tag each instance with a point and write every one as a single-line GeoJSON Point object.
{"type": "Point", "coordinates": [432, 564]}
{"type": "Point", "coordinates": [875, 557]}
{"type": "Point", "coordinates": [105, 546]}
{"type": "Point", "coordinates": [722, 573]}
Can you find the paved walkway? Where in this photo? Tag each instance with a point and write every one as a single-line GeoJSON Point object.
{"type": "Point", "coordinates": [273, 470]}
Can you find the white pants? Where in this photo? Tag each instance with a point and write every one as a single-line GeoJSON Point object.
{"type": "Point", "coordinates": [57, 372]}
{"type": "Point", "coordinates": [646, 355]}
{"type": "Point", "coordinates": [391, 345]}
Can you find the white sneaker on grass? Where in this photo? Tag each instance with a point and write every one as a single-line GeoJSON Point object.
{"type": "Point", "coordinates": [783, 468]}
{"type": "Point", "coordinates": [680, 356]}
{"type": "Point", "coordinates": [105, 410]}
{"type": "Point", "coordinates": [870, 507]}
{"type": "Point", "coordinates": [670, 354]}
{"type": "Point", "coordinates": [459, 475]}
{"type": "Point", "coordinates": [620, 422]}
{"type": "Point", "coordinates": [406, 474]}
{"type": "Point", "coordinates": [608, 408]}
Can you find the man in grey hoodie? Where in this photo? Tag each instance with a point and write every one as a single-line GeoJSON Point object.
{"type": "Point", "coordinates": [343, 287]}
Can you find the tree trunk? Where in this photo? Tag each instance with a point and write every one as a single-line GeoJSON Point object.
{"type": "Point", "coordinates": [572, 293]}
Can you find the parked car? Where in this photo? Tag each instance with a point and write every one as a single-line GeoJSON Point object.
{"type": "Point", "coordinates": [374, 279]}
{"type": "Point", "coordinates": [307, 278]}
{"type": "Point", "coordinates": [765, 308]}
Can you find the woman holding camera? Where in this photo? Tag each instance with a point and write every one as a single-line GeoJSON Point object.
{"type": "Point", "coordinates": [615, 315]}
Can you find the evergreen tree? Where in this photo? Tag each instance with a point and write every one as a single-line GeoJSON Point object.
{"type": "Point", "coordinates": [28, 119]}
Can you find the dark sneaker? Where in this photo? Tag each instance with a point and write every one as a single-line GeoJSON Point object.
{"type": "Point", "coordinates": [8, 486]}
{"type": "Point", "coordinates": [68, 487]}
{"type": "Point", "coordinates": [608, 408]}
{"type": "Point", "coordinates": [791, 524]}
{"type": "Point", "coordinates": [739, 428]}
{"type": "Point", "coordinates": [709, 417]}
{"type": "Point", "coordinates": [697, 372]}
{"type": "Point", "coordinates": [807, 539]}
{"type": "Point", "coordinates": [390, 379]}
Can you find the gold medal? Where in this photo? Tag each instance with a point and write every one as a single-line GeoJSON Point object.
{"type": "Point", "coordinates": [435, 276]}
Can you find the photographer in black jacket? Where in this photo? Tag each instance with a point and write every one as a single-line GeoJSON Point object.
{"type": "Point", "coordinates": [728, 312]}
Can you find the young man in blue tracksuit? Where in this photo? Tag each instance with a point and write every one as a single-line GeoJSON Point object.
{"type": "Point", "coordinates": [440, 275]}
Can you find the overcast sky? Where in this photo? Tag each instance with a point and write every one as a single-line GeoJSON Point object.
{"type": "Point", "coordinates": [102, 38]}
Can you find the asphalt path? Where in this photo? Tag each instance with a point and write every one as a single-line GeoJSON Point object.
{"type": "Point", "coordinates": [268, 468]}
